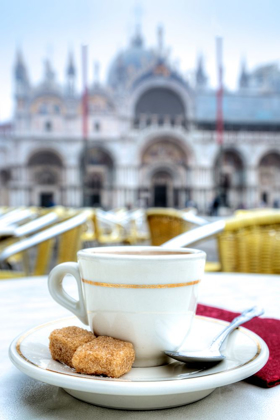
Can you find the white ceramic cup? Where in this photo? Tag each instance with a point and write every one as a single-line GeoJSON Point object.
{"type": "Point", "coordinates": [145, 295]}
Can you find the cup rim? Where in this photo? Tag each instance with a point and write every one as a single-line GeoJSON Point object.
{"type": "Point", "coordinates": [106, 253]}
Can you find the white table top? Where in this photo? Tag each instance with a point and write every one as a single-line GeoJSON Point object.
{"type": "Point", "coordinates": [25, 303]}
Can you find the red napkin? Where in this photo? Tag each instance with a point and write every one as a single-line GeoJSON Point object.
{"type": "Point", "coordinates": [269, 330]}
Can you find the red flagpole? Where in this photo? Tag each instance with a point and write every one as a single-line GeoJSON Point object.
{"type": "Point", "coordinates": [84, 123]}
{"type": "Point", "coordinates": [220, 124]}
{"type": "Point", "coordinates": [85, 92]}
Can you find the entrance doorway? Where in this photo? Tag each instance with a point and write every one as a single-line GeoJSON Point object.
{"type": "Point", "coordinates": [46, 200]}
{"type": "Point", "coordinates": [162, 189]}
{"type": "Point", "coordinates": [269, 179]}
{"type": "Point", "coordinates": [160, 196]}
{"type": "Point", "coordinates": [95, 199]}
{"type": "Point", "coordinates": [97, 178]}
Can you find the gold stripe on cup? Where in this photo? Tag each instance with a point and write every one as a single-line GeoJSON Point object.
{"type": "Point", "coordinates": [140, 286]}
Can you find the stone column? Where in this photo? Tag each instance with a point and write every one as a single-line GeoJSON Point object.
{"type": "Point", "coordinates": [72, 189]}
{"type": "Point", "coordinates": [252, 195]}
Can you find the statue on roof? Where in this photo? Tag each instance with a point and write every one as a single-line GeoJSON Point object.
{"type": "Point", "coordinates": [160, 40]}
{"type": "Point", "coordinates": [200, 75]}
{"type": "Point", "coordinates": [70, 74]}
{"type": "Point", "coordinates": [244, 75]}
{"type": "Point", "coordinates": [49, 73]}
{"type": "Point", "coordinates": [71, 70]}
{"type": "Point", "coordinates": [96, 71]}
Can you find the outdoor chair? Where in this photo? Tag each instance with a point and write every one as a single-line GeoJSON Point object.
{"type": "Point", "coordinates": [249, 243]}
{"type": "Point", "coordinates": [18, 216]}
{"type": "Point", "coordinates": [68, 234]}
{"type": "Point", "coordinates": [47, 219]}
{"type": "Point", "coordinates": [136, 227]}
{"type": "Point", "coordinates": [167, 223]}
{"type": "Point", "coordinates": [108, 229]}
{"type": "Point", "coordinates": [4, 210]}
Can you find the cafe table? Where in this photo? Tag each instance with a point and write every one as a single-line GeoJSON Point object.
{"type": "Point", "coordinates": [25, 303]}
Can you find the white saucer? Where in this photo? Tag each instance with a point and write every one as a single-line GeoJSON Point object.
{"type": "Point", "coordinates": [166, 386]}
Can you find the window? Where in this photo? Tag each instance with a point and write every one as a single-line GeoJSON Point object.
{"type": "Point", "coordinates": [56, 109]}
{"type": "Point", "coordinates": [43, 110]}
{"type": "Point", "coordinates": [96, 126]}
{"type": "Point", "coordinates": [48, 126]}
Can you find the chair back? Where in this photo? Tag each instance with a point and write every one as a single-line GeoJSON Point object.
{"type": "Point", "coordinates": [250, 243]}
{"type": "Point", "coordinates": [17, 216]}
{"type": "Point", "coordinates": [108, 229]}
{"type": "Point", "coordinates": [165, 223]}
{"type": "Point", "coordinates": [68, 235]}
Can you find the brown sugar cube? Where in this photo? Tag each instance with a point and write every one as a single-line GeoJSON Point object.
{"type": "Point", "coordinates": [65, 341]}
{"type": "Point", "coordinates": [104, 356]}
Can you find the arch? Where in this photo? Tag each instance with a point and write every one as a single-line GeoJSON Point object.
{"type": "Point", "coordinates": [45, 171]}
{"type": "Point", "coordinates": [160, 101]}
{"type": "Point", "coordinates": [100, 103]}
{"type": "Point", "coordinates": [269, 178]}
{"type": "Point", "coordinates": [175, 135]}
{"type": "Point", "coordinates": [233, 151]}
{"type": "Point", "coordinates": [45, 157]}
{"type": "Point", "coordinates": [164, 83]}
{"type": "Point", "coordinates": [47, 104]}
{"type": "Point", "coordinates": [5, 176]}
{"type": "Point", "coordinates": [229, 177]}
{"type": "Point", "coordinates": [162, 185]}
{"type": "Point", "coordinates": [46, 177]}
{"type": "Point", "coordinates": [164, 168]}
{"type": "Point", "coordinates": [97, 155]}
{"type": "Point", "coordinates": [271, 157]}
{"type": "Point", "coordinates": [164, 172]}
{"type": "Point", "coordinates": [97, 168]}
{"type": "Point", "coordinates": [164, 149]}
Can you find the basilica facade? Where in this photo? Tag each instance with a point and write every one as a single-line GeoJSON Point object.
{"type": "Point", "coordinates": [151, 137]}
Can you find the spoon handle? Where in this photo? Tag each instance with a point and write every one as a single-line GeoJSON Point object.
{"type": "Point", "coordinates": [241, 319]}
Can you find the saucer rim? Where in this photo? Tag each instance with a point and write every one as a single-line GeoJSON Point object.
{"type": "Point", "coordinates": [118, 387]}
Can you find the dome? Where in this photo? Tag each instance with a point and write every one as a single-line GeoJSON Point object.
{"type": "Point", "coordinates": [129, 62]}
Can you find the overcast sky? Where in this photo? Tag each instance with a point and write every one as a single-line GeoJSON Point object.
{"type": "Point", "coordinates": [42, 29]}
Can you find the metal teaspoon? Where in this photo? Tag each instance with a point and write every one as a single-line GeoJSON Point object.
{"type": "Point", "coordinates": [213, 354]}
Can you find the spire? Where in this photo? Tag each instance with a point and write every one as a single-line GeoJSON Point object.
{"type": "Point", "coordinates": [137, 39]}
{"type": "Point", "coordinates": [21, 75]}
{"type": "Point", "coordinates": [20, 68]}
{"type": "Point", "coordinates": [96, 69]}
{"type": "Point", "coordinates": [200, 76]}
{"type": "Point", "coordinates": [244, 76]}
{"type": "Point", "coordinates": [71, 70]}
{"type": "Point", "coordinates": [160, 31]}
{"type": "Point", "coordinates": [49, 73]}
{"type": "Point", "coordinates": [70, 75]}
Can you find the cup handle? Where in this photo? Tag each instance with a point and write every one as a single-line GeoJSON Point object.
{"type": "Point", "coordinates": [58, 293]}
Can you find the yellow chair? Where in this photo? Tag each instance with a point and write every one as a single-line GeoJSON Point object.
{"type": "Point", "coordinates": [134, 224]}
{"type": "Point", "coordinates": [115, 233]}
{"type": "Point", "coordinates": [68, 235]}
{"type": "Point", "coordinates": [45, 219]}
{"type": "Point", "coordinates": [249, 243]}
{"type": "Point", "coordinates": [88, 234]}
{"type": "Point", "coordinates": [136, 235]}
{"type": "Point", "coordinates": [165, 224]}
